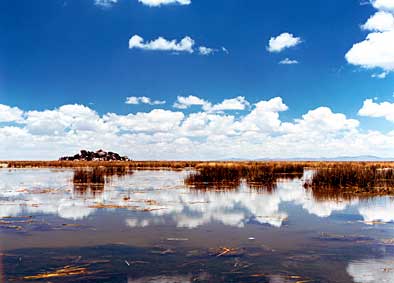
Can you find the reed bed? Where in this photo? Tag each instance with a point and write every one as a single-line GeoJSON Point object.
{"type": "Point", "coordinates": [151, 165]}
{"type": "Point", "coordinates": [333, 178]}
{"type": "Point", "coordinates": [93, 179]}
{"type": "Point", "coordinates": [230, 175]}
{"type": "Point", "coordinates": [359, 178]}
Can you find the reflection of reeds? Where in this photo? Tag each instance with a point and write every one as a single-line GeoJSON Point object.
{"type": "Point", "coordinates": [93, 179]}
{"type": "Point", "coordinates": [214, 177]}
{"type": "Point", "coordinates": [360, 178]}
{"type": "Point", "coordinates": [259, 175]}
{"type": "Point", "coordinates": [343, 177]}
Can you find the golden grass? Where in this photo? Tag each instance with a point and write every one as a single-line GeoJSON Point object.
{"type": "Point", "coordinates": [230, 175]}
{"type": "Point", "coordinates": [128, 164]}
{"type": "Point", "coordinates": [94, 178]}
{"type": "Point", "coordinates": [363, 178]}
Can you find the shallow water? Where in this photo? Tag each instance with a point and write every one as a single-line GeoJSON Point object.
{"type": "Point", "coordinates": [150, 227]}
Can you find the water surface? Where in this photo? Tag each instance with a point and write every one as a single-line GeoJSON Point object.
{"type": "Point", "coordinates": [149, 227]}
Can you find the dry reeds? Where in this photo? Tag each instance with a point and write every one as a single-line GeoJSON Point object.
{"type": "Point", "coordinates": [363, 178]}
{"type": "Point", "coordinates": [329, 177]}
{"type": "Point", "coordinates": [94, 178]}
{"type": "Point", "coordinates": [230, 175]}
{"type": "Point", "coordinates": [151, 165]}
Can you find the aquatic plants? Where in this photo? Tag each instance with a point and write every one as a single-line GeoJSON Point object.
{"type": "Point", "coordinates": [352, 177]}
{"type": "Point", "coordinates": [329, 177]}
{"type": "Point", "coordinates": [230, 175]}
{"type": "Point", "coordinates": [94, 178]}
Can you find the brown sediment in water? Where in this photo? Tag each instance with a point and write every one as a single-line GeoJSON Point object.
{"type": "Point", "coordinates": [62, 272]}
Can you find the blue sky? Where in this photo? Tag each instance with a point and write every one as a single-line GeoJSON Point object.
{"type": "Point", "coordinates": [77, 52]}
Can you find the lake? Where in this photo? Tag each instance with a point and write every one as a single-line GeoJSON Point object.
{"type": "Point", "coordinates": [148, 226]}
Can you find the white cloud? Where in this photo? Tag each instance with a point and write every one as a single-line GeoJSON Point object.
{"type": "Point", "coordinates": [288, 61]}
{"type": "Point", "coordinates": [10, 114]}
{"type": "Point", "coordinates": [203, 50]}
{"type": "Point", "coordinates": [206, 50]}
{"type": "Point", "coordinates": [238, 103]}
{"type": "Point", "coordinates": [144, 100]}
{"type": "Point", "coordinates": [385, 5]}
{"type": "Point", "coordinates": [264, 117]}
{"type": "Point", "coordinates": [66, 119]}
{"type": "Point", "coordinates": [376, 50]}
{"type": "Point", "coordinates": [381, 75]}
{"type": "Point", "coordinates": [158, 120]}
{"type": "Point", "coordinates": [283, 41]}
{"type": "Point", "coordinates": [156, 3]}
{"type": "Point", "coordinates": [162, 44]}
{"type": "Point", "coordinates": [380, 21]}
{"type": "Point", "coordinates": [377, 110]}
{"type": "Point", "coordinates": [105, 3]}
{"type": "Point", "coordinates": [322, 119]}
{"type": "Point", "coordinates": [210, 132]}
{"type": "Point", "coordinates": [184, 102]}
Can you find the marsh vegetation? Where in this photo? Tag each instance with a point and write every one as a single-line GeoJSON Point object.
{"type": "Point", "coordinates": [327, 177]}
{"type": "Point", "coordinates": [93, 179]}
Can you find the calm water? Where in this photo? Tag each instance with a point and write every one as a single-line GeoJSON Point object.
{"type": "Point", "coordinates": [150, 227]}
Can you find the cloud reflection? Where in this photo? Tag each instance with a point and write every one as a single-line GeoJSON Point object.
{"type": "Point", "coordinates": [372, 270]}
{"type": "Point", "coordinates": [163, 197]}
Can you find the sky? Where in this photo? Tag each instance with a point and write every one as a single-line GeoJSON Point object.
{"type": "Point", "coordinates": [197, 79]}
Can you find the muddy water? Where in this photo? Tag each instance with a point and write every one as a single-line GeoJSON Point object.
{"type": "Point", "coordinates": [149, 227]}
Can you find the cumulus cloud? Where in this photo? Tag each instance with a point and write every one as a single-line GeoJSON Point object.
{"type": "Point", "coordinates": [238, 103]}
{"type": "Point", "coordinates": [386, 5]}
{"type": "Point", "coordinates": [208, 132]}
{"type": "Point", "coordinates": [288, 61]}
{"type": "Point", "coordinates": [376, 50]}
{"type": "Point", "coordinates": [264, 117]}
{"type": "Point", "coordinates": [184, 102]}
{"type": "Point", "coordinates": [10, 114]}
{"type": "Point", "coordinates": [144, 100]}
{"type": "Point", "coordinates": [377, 110]}
{"type": "Point", "coordinates": [283, 41]}
{"type": "Point", "coordinates": [380, 21]}
{"type": "Point", "coordinates": [323, 118]}
{"type": "Point", "coordinates": [161, 44]}
{"type": "Point", "coordinates": [156, 3]}
{"type": "Point", "coordinates": [158, 120]}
